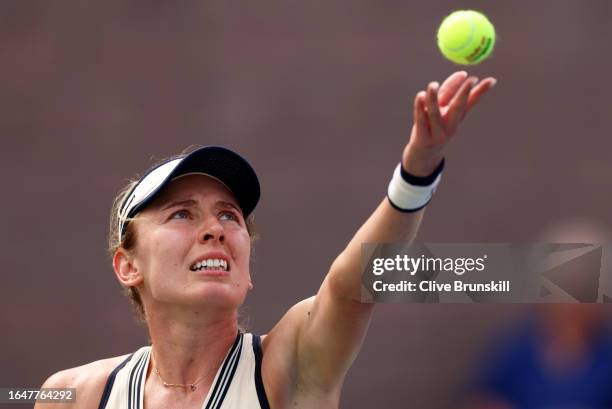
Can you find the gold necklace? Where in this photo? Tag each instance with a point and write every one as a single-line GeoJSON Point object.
{"type": "Point", "coordinates": [192, 386]}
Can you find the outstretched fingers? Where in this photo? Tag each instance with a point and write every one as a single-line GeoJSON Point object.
{"type": "Point", "coordinates": [479, 90]}
{"type": "Point", "coordinates": [420, 116]}
{"type": "Point", "coordinates": [459, 104]}
{"type": "Point", "coordinates": [450, 86]}
{"type": "Point", "coordinates": [439, 110]}
{"type": "Point", "coordinates": [433, 112]}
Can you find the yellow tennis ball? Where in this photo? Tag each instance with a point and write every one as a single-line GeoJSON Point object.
{"type": "Point", "coordinates": [466, 37]}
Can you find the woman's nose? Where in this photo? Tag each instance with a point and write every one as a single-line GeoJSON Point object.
{"type": "Point", "coordinates": [212, 232]}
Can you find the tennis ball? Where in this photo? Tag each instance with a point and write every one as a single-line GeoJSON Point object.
{"type": "Point", "coordinates": [466, 37]}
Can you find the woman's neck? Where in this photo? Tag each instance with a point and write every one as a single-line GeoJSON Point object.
{"type": "Point", "coordinates": [190, 346]}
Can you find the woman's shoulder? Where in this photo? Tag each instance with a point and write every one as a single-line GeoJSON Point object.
{"type": "Point", "coordinates": [84, 374]}
{"type": "Point", "coordinates": [88, 381]}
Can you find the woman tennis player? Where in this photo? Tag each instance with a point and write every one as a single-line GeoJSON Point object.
{"type": "Point", "coordinates": [181, 245]}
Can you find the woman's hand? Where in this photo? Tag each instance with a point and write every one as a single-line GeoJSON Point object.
{"type": "Point", "coordinates": [438, 112]}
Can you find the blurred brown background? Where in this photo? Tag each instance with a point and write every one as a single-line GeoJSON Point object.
{"type": "Point", "coordinates": [318, 96]}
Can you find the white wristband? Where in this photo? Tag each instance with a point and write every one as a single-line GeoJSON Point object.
{"type": "Point", "coordinates": [406, 197]}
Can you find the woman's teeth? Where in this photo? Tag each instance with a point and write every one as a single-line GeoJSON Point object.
{"type": "Point", "coordinates": [210, 264]}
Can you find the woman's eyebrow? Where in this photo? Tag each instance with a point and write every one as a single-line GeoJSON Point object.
{"type": "Point", "coordinates": [228, 204]}
{"type": "Point", "coordinates": [176, 203]}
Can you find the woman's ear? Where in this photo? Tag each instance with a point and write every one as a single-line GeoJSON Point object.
{"type": "Point", "coordinates": [126, 271]}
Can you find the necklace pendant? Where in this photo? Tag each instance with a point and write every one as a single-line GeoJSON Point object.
{"type": "Point", "coordinates": [192, 387]}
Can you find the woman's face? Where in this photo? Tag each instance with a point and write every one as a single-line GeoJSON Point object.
{"type": "Point", "coordinates": [196, 219]}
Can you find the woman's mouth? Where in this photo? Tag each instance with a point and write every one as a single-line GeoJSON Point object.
{"type": "Point", "coordinates": [211, 264]}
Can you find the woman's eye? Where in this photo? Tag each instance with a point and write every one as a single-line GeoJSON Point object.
{"type": "Point", "coordinates": [181, 214]}
{"type": "Point", "coordinates": [228, 216]}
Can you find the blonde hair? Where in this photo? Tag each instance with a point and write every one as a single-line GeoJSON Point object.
{"type": "Point", "coordinates": [128, 241]}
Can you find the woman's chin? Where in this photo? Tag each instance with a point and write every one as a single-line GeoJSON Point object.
{"type": "Point", "coordinates": [220, 295]}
